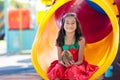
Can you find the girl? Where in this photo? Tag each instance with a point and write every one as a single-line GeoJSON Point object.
{"type": "Point", "coordinates": [70, 38]}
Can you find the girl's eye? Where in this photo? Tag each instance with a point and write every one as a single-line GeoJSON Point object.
{"type": "Point", "coordinates": [67, 22]}
{"type": "Point", "coordinates": [73, 23]}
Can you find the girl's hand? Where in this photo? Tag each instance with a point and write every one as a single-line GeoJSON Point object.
{"type": "Point", "coordinates": [66, 64]}
{"type": "Point", "coordinates": [61, 62]}
{"type": "Point", "coordinates": [78, 62]}
{"type": "Point", "coordinates": [70, 63]}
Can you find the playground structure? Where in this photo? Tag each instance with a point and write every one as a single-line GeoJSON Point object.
{"type": "Point", "coordinates": [2, 32]}
{"type": "Point", "coordinates": [99, 20]}
{"type": "Point", "coordinates": [19, 25]}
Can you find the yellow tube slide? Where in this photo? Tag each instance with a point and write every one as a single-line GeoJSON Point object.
{"type": "Point", "coordinates": [102, 53]}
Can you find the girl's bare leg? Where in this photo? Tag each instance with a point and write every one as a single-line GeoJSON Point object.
{"type": "Point", "coordinates": [100, 78]}
{"type": "Point", "coordinates": [57, 79]}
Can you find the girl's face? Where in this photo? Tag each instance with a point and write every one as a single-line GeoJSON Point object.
{"type": "Point", "coordinates": [70, 24]}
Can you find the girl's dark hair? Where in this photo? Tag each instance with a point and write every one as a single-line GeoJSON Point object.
{"type": "Point", "coordinates": [61, 34]}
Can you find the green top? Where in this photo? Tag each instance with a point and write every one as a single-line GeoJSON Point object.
{"type": "Point", "coordinates": [67, 47]}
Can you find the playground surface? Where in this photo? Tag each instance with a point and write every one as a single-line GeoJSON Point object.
{"type": "Point", "coordinates": [22, 76]}
{"type": "Point", "coordinates": [17, 67]}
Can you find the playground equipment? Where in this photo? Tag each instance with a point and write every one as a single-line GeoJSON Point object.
{"type": "Point", "coordinates": [2, 32]}
{"type": "Point", "coordinates": [99, 21]}
{"type": "Point", "coordinates": [2, 29]}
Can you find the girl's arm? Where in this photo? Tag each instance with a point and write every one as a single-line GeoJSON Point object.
{"type": "Point", "coordinates": [59, 49]}
{"type": "Point", "coordinates": [81, 51]}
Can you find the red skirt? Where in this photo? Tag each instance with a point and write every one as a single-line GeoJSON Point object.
{"type": "Point", "coordinates": [74, 72]}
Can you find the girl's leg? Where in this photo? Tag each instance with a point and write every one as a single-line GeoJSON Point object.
{"type": "Point", "coordinates": [100, 78]}
{"type": "Point", "coordinates": [57, 79]}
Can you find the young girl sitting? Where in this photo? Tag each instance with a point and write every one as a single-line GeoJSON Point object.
{"type": "Point", "coordinates": [70, 39]}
